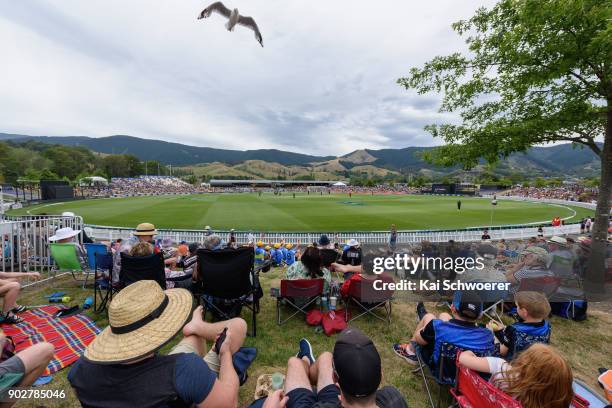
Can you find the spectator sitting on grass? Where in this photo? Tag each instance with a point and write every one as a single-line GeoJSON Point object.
{"type": "Point", "coordinates": [349, 377]}
{"type": "Point", "coordinates": [121, 367]}
{"type": "Point", "coordinates": [531, 264]}
{"type": "Point", "coordinates": [351, 255]}
{"type": "Point", "coordinates": [309, 267]}
{"type": "Point", "coordinates": [538, 377]}
{"type": "Point", "coordinates": [29, 363]}
{"type": "Point", "coordinates": [460, 328]}
{"type": "Point", "coordinates": [533, 309]}
{"type": "Point", "coordinates": [9, 292]}
{"type": "Point", "coordinates": [66, 236]}
{"type": "Point", "coordinates": [213, 242]}
{"type": "Point", "coordinates": [143, 249]}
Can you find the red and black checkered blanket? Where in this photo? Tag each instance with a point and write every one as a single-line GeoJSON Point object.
{"type": "Point", "coordinates": [69, 335]}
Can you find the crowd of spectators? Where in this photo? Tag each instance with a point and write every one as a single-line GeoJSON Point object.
{"type": "Point", "coordinates": [135, 186]}
{"type": "Point", "coordinates": [200, 369]}
{"type": "Point", "coordinates": [569, 193]}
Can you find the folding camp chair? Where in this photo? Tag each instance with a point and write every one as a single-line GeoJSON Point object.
{"type": "Point", "coordinates": [92, 250]}
{"type": "Point", "coordinates": [103, 281]}
{"type": "Point", "coordinates": [228, 276]}
{"type": "Point", "coordinates": [308, 290]}
{"type": "Point", "coordinates": [363, 294]}
{"type": "Point", "coordinates": [66, 259]}
{"type": "Point", "coordinates": [136, 268]}
{"type": "Point", "coordinates": [473, 391]}
{"type": "Point", "coordinates": [445, 373]}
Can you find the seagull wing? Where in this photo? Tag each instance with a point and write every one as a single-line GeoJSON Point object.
{"type": "Point", "coordinates": [250, 23]}
{"type": "Point", "coordinates": [216, 7]}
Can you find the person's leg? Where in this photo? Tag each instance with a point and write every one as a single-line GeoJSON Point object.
{"type": "Point", "coordinates": [327, 390]}
{"type": "Point", "coordinates": [9, 290]}
{"type": "Point", "coordinates": [324, 369]}
{"type": "Point", "coordinates": [297, 375]}
{"type": "Point", "coordinates": [444, 317]}
{"type": "Point", "coordinates": [209, 331]}
{"type": "Point", "coordinates": [422, 323]}
{"type": "Point", "coordinates": [197, 331]}
{"type": "Point", "coordinates": [35, 360]}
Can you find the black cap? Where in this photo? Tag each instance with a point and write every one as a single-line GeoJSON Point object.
{"type": "Point", "coordinates": [468, 304]}
{"type": "Point", "coordinates": [324, 240]}
{"type": "Point", "coordinates": [357, 363]}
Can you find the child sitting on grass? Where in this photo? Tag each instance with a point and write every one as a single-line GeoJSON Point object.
{"type": "Point", "coordinates": [533, 309]}
{"type": "Point", "coordinates": [539, 377]}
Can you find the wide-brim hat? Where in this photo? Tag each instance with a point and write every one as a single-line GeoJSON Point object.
{"type": "Point", "coordinates": [145, 229]}
{"type": "Point", "coordinates": [142, 318]}
{"type": "Point", "coordinates": [352, 243]}
{"type": "Point", "coordinates": [64, 233]}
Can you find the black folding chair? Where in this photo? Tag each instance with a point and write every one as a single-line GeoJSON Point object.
{"type": "Point", "coordinates": [137, 268]}
{"type": "Point", "coordinates": [228, 275]}
{"type": "Point", "coordinates": [368, 300]}
{"type": "Point", "coordinates": [103, 280]}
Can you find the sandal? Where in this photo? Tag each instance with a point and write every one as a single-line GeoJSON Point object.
{"type": "Point", "coordinates": [10, 318]}
{"type": "Point", "coordinates": [19, 309]}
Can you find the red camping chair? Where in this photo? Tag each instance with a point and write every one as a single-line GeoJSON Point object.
{"type": "Point", "coordinates": [473, 391]}
{"type": "Point", "coordinates": [363, 295]}
{"type": "Point", "coordinates": [290, 290]}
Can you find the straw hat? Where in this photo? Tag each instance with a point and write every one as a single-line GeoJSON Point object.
{"type": "Point", "coordinates": [142, 318]}
{"type": "Point", "coordinates": [64, 233]}
{"type": "Point", "coordinates": [145, 229]}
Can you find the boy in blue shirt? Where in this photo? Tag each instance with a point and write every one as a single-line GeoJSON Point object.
{"type": "Point", "coordinates": [533, 309]}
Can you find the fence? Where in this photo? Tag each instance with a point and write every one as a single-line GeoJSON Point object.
{"type": "Point", "coordinates": [24, 245]}
{"type": "Point", "coordinates": [403, 237]}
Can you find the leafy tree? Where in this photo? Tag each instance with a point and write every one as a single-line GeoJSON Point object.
{"type": "Point", "coordinates": [537, 71]}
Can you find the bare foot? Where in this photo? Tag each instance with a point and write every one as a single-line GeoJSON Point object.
{"type": "Point", "coordinates": [191, 328]}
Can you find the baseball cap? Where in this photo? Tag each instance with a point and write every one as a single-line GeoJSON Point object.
{"type": "Point", "coordinates": [324, 240]}
{"type": "Point", "coordinates": [357, 363]}
{"type": "Point", "coordinates": [468, 304]}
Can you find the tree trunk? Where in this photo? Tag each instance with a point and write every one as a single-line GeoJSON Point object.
{"type": "Point", "coordinates": [596, 269]}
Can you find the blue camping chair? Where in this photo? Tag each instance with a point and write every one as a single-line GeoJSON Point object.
{"type": "Point", "coordinates": [92, 250]}
{"type": "Point", "coordinates": [103, 281]}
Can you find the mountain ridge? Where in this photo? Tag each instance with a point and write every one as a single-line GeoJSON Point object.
{"type": "Point", "coordinates": [563, 159]}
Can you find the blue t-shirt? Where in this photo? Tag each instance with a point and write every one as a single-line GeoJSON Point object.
{"type": "Point", "coordinates": [290, 258]}
{"type": "Point", "coordinates": [194, 379]}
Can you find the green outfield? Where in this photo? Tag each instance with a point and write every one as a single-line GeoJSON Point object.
{"type": "Point", "coordinates": [336, 212]}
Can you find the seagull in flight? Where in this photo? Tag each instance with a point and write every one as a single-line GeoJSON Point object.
{"type": "Point", "coordinates": [233, 18]}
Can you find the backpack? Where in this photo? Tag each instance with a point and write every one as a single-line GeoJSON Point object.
{"type": "Point", "coordinates": [570, 309]}
{"type": "Point", "coordinates": [333, 322]}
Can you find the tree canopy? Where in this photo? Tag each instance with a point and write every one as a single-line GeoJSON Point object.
{"type": "Point", "coordinates": [536, 72]}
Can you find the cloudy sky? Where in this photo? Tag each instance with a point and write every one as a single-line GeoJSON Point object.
{"type": "Point", "coordinates": [323, 84]}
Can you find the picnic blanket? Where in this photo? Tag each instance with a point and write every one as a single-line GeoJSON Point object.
{"type": "Point", "coordinates": [69, 335]}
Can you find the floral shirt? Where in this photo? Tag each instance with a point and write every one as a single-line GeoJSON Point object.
{"type": "Point", "coordinates": [298, 271]}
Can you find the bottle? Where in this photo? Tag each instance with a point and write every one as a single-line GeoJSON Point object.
{"type": "Point", "coordinates": [332, 303]}
{"type": "Point", "coordinates": [324, 305]}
